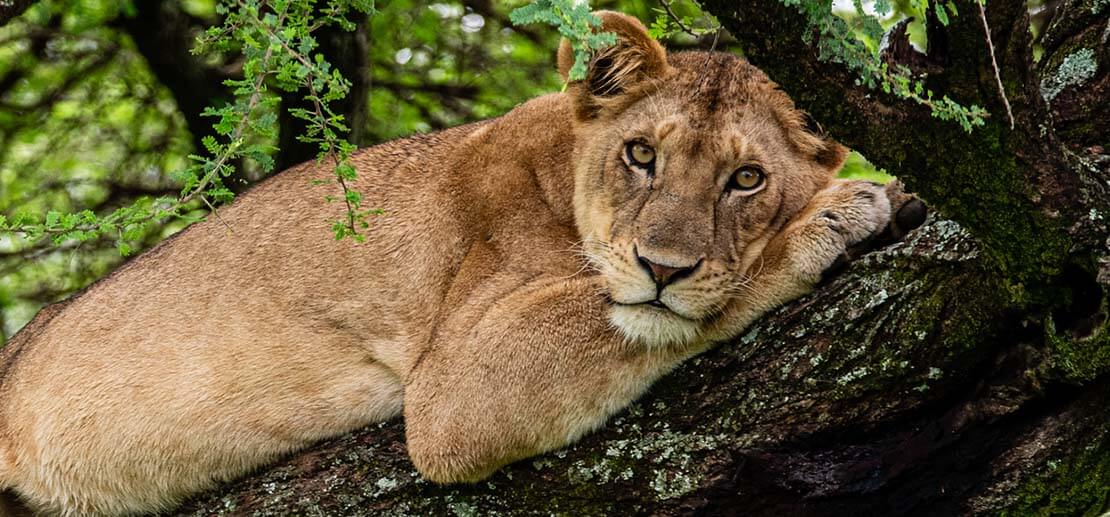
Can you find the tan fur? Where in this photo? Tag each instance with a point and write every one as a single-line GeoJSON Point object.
{"type": "Point", "coordinates": [487, 301]}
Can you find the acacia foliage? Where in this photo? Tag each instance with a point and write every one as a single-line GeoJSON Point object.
{"type": "Point", "coordinates": [276, 44]}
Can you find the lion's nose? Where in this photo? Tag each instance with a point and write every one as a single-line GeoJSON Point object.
{"type": "Point", "coordinates": [666, 275]}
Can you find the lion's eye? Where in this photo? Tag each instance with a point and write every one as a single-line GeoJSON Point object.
{"type": "Point", "coordinates": [640, 154]}
{"type": "Point", "coordinates": [746, 179]}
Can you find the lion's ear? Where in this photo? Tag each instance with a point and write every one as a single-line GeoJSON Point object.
{"type": "Point", "coordinates": [613, 71]}
{"type": "Point", "coordinates": [826, 151]}
{"type": "Point", "coordinates": [832, 156]}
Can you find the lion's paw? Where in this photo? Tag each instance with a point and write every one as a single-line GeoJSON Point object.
{"type": "Point", "coordinates": [839, 217]}
{"type": "Point", "coordinates": [855, 210]}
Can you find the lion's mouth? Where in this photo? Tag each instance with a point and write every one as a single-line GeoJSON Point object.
{"type": "Point", "coordinates": [656, 306]}
{"type": "Point", "coordinates": [654, 323]}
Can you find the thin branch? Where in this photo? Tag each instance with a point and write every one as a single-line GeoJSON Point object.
{"type": "Point", "coordinates": [319, 109]}
{"type": "Point", "coordinates": [716, 39]}
{"type": "Point", "coordinates": [216, 213]}
{"type": "Point", "coordinates": [667, 6]}
{"type": "Point", "coordinates": [994, 63]}
{"type": "Point", "coordinates": [255, 98]}
{"type": "Point", "coordinates": [163, 36]}
{"type": "Point", "coordinates": [176, 205]}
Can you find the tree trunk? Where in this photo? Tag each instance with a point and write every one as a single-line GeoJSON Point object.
{"type": "Point", "coordinates": [954, 372]}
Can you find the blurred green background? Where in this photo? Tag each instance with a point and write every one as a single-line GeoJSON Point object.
{"type": "Point", "coordinates": [100, 103]}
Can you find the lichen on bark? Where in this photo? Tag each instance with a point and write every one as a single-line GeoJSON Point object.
{"type": "Point", "coordinates": [1076, 68]}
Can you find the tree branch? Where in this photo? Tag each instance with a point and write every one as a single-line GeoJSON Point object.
{"type": "Point", "coordinates": [678, 21]}
{"type": "Point", "coordinates": [994, 65]}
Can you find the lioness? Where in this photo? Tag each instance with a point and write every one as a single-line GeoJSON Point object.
{"type": "Point", "coordinates": [533, 274]}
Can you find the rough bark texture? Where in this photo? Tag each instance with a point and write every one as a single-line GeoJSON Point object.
{"type": "Point", "coordinates": [943, 374]}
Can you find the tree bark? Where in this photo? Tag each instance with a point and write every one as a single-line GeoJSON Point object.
{"type": "Point", "coordinates": [956, 372]}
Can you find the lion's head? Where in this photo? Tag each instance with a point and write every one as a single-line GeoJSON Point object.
{"type": "Point", "coordinates": [686, 165]}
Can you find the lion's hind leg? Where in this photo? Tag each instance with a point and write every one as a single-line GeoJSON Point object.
{"type": "Point", "coordinates": [133, 443]}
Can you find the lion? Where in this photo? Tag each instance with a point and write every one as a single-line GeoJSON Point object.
{"type": "Point", "coordinates": [532, 275]}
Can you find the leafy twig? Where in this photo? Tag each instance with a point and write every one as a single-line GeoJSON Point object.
{"type": "Point", "coordinates": [575, 22]}
{"type": "Point", "coordinates": [838, 44]}
{"type": "Point", "coordinates": [85, 225]}
{"type": "Point", "coordinates": [668, 23]}
{"type": "Point", "coordinates": [678, 21]}
{"type": "Point", "coordinates": [251, 27]}
{"type": "Point", "coordinates": [328, 126]}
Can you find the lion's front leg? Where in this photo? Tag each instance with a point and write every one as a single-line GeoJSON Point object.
{"type": "Point", "coordinates": [846, 213]}
{"type": "Point", "coordinates": [539, 369]}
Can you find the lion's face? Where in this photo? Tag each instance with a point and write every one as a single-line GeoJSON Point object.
{"type": "Point", "coordinates": [681, 181]}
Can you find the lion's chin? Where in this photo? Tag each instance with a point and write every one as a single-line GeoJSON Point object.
{"type": "Point", "coordinates": [652, 326]}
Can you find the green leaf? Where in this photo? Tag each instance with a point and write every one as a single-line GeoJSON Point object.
{"type": "Point", "coordinates": [942, 14]}
{"type": "Point", "coordinates": [574, 21]}
{"type": "Point", "coordinates": [353, 197]}
{"type": "Point", "coordinates": [346, 171]}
